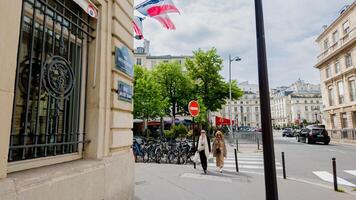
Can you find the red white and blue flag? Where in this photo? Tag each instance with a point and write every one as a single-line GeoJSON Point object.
{"type": "Point", "coordinates": [138, 28]}
{"type": "Point", "coordinates": [165, 21]}
{"type": "Point", "coordinates": [88, 7]}
{"type": "Point", "coordinates": [154, 8]}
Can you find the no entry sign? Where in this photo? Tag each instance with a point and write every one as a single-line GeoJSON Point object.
{"type": "Point", "coordinates": [193, 108]}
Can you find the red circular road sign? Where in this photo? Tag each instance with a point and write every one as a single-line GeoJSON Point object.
{"type": "Point", "coordinates": [193, 108]}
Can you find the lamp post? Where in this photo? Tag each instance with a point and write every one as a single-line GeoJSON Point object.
{"type": "Point", "coordinates": [236, 58]}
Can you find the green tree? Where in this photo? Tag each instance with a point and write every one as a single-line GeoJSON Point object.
{"type": "Point", "coordinates": [175, 84]}
{"type": "Point", "coordinates": [205, 69]}
{"type": "Point", "coordinates": [149, 102]}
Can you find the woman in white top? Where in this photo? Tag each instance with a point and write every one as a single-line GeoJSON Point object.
{"type": "Point", "coordinates": [204, 149]}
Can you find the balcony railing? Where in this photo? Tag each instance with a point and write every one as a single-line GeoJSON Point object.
{"type": "Point", "coordinates": [338, 45]}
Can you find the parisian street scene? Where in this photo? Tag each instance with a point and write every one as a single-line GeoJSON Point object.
{"type": "Point", "coordinates": [178, 100]}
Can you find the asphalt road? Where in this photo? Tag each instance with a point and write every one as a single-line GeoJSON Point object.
{"type": "Point", "coordinates": [306, 160]}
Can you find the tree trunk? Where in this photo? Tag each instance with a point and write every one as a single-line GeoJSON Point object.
{"type": "Point", "coordinates": [174, 113]}
{"type": "Point", "coordinates": [146, 124]}
{"type": "Point", "coordinates": [162, 127]}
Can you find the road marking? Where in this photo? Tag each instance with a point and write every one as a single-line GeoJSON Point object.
{"type": "Point", "coordinates": [352, 172]}
{"type": "Point", "coordinates": [334, 150]}
{"type": "Point", "coordinates": [247, 162]}
{"type": "Point", "coordinates": [206, 177]}
{"type": "Point", "coordinates": [326, 176]}
{"type": "Point", "coordinates": [242, 166]}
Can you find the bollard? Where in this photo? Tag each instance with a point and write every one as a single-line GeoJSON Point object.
{"type": "Point", "coordinates": [284, 166]}
{"type": "Point", "coordinates": [258, 143]}
{"type": "Point", "coordinates": [236, 163]}
{"type": "Point", "coordinates": [237, 144]}
{"type": "Point", "coordinates": [334, 173]}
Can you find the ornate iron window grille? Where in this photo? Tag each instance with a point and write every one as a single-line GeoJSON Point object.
{"type": "Point", "coordinates": [48, 90]}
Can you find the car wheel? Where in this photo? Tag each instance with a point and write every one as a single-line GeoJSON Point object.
{"type": "Point", "coordinates": [326, 143]}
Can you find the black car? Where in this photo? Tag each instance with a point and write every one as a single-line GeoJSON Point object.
{"type": "Point", "coordinates": [314, 134]}
{"type": "Point", "coordinates": [288, 132]}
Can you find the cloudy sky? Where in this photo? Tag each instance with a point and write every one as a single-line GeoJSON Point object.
{"type": "Point", "coordinates": [229, 25]}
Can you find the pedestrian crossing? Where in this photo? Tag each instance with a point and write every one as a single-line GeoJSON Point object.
{"type": "Point", "coordinates": [245, 162]}
{"type": "Point", "coordinates": [328, 177]}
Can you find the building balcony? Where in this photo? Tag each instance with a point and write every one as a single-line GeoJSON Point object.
{"type": "Point", "coordinates": [344, 42]}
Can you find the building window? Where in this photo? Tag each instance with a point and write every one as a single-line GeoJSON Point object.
{"type": "Point", "coordinates": [331, 96]}
{"type": "Point", "coordinates": [139, 61]}
{"type": "Point", "coordinates": [344, 120]}
{"type": "Point", "coordinates": [337, 66]}
{"type": "Point", "coordinates": [306, 108]}
{"type": "Point", "coordinates": [256, 109]}
{"type": "Point", "coordinates": [49, 89]}
{"type": "Point", "coordinates": [335, 36]}
{"type": "Point", "coordinates": [334, 121]}
{"type": "Point", "coordinates": [328, 72]}
{"type": "Point", "coordinates": [326, 44]}
{"type": "Point", "coordinates": [348, 60]}
{"type": "Point", "coordinates": [165, 61]}
{"type": "Point", "coordinates": [235, 109]}
{"type": "Point", "coordinates": [352, 84]}
{"type": "Point", "coordinates": [346, 27]}
{"type": "Point", "coordinates": [340, 87]}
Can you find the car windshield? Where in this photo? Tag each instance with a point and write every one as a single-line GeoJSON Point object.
{"type": "Point", "coordinates": [317, 131]}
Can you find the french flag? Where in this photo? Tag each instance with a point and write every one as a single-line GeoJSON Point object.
{"type": "Point", "coordinates": [137, 24]}
{"type": "Point", "coordinates": [154, 8]}
{"type": "Point", "coordinates": [165, 21]}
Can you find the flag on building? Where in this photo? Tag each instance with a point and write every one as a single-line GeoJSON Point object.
{"type": "Point", "coordinates": [138, 27]}
{"type": "Point", "coordinates": [154, 8]}
{"type": "Point", "coordinates": [88, 7]}
{"type": "Point", "coordinates": [165, 21]}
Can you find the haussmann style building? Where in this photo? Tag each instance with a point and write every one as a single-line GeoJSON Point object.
{"type": "Point", "coordinates": [336, 63]}
{"type": "Point", "coordinates": [66, 99]}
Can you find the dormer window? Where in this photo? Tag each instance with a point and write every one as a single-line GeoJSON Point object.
{"type": "Point", "coordinates": [346, 27]}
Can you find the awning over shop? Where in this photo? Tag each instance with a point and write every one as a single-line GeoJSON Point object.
{"type": "Point", "coordinates": [222, 121]}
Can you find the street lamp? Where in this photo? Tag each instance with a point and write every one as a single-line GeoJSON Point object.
{"type": "Point", "coordinates": [236, 58]}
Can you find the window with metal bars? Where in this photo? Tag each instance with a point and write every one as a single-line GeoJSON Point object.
{"type": "Point", "coordinates": [50, 77]}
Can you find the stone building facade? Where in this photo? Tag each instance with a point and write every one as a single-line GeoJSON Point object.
{"type": "Point", "coordinates": [246, 110]}
{"type": "Point", "coordinates": [336, 63]}
{"type": "Point", "coordinates": [143, 57]}
{"type": "Point", "coordinates": [66, 100]}
{"type": "Point", "coordinates": [299, 102]}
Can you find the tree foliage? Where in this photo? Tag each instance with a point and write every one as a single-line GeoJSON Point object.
{"type": "Point", "coordinates": [149, 102]}
{"type": "Point", "coordinates": [204, 69]}
{"type": "Point", "coordinates": [175, 85]}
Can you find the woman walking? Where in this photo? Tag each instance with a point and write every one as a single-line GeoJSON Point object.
{"type": "Point", "coordinates": [219, 150]}
{"type": "Point", "coordinates": [204, 149]}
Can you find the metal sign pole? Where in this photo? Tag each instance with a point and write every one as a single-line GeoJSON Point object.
{"type": "Point", "coordinates": [267, 135]}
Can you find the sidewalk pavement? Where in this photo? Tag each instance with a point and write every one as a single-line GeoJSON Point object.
{"type": "Point", "coordinates": [180, 182]}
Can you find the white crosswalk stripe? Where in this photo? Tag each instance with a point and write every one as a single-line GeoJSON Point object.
{"type": "Point", "coordinates": [249, 161]}
{"type": "Point", "coordinates": [352, 172]}
{"type": "Point", "coordinates": [328, 177]}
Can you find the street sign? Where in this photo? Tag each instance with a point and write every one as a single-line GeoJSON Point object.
{"type": "Point", "coordinates": [193, 108]}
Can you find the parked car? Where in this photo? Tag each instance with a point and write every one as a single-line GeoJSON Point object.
{"type": "Point", "coordinates": [288, 132]}
{"type": "Point", "coordinates": [313, 134]}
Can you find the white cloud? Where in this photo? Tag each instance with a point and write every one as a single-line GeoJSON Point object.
{"type": "Point", "coordinates": [229, 25]}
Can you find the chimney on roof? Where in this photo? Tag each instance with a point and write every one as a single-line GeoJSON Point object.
{"type": "Point", "coordinates": [324, 27]}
